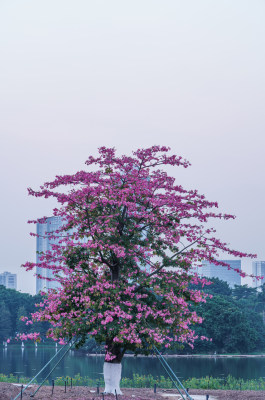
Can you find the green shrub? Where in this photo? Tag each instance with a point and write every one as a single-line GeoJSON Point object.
{"type": "Point", "coordinates": [148, 381]}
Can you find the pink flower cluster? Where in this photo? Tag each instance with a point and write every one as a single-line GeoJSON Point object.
{"type": "Point", "coordinates": [31, 336]}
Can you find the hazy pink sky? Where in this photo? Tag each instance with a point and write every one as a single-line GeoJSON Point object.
{"type": "Point", "coordinates": [76, 75]}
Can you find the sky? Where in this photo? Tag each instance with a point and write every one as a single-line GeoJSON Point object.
{"type": "Point", "coordinates": [77, 75]}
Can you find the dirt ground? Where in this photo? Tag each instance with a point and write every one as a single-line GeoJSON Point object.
{"type": "Point", "coordinates": [9, 391]}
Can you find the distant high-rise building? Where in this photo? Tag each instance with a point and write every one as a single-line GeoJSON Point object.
{"type": "Point", "coordinates": [223, 273]}
{"type": "Point", "coordinates": [258, 269]}
{"type": "Point", "coordinates": [44, 243]}
{"type": "Point", "coordinates": [8, 280]}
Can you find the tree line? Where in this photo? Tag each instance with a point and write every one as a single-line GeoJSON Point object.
{"type": "Point", "coordinates": [14, 305]}
{"type": "Point", "coordinates": [233, 319]}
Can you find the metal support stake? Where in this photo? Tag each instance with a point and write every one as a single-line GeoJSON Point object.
{"type": "Point", "coordinates": [207, 397]}
{"type": "Point", "coordinates": [52, 385]}
{"type": "Point", "coordinates": [116, 396]}
{"type": "Point", "coordinates": [32, 380]}
{"type": "Point", "coordinates": [47, 376]}
{"type": "Point", "coordinates": [64, 386]}
{"type": "Point", "coordinates": [155, 388]}
{"type": "Point", "coordinates": [21, 393]}
{"type": "Point", "coordinates": [98, 388]}
{"type": "Point", "coordinates": [171, 374]}
{"type": "Point", "coordinates": [71, 383]}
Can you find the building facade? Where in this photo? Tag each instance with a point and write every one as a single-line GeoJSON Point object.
{"type": "Point", "coordinates": [223, 273]}
{"type": "Point", "coordinates": [44, 244]}
{"type": "Point", "coordinates": [8, 280]}
{"type": "Point", "coordinates": [258, 269]}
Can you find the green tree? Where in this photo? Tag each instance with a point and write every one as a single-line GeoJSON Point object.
{"type": "Point", "coordinates": [21, 304]}
{"type": "Point", "coordinates": [219, 287]}
{"type": "Point", "coordinates": [261, 298]}
{"type": "Point", "coordinates": [20, 326]}
{"type": "Point", "coordinates": [231, 328]}
{"type": "Point", "coordinates": [244, 292]}
{"type": "Point", "coordinates": [5, 322]}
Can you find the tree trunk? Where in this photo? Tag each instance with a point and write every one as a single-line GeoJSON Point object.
{"type": "Point", "coordinates": [112, 369]}
{"type": "Point", "coordinates": [115, 274]}
{"type": "Point", "coordinates": [112, 377]}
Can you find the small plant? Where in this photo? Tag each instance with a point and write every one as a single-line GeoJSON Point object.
{"type": "Point", "coordinates": [148, 381]}
{"type": "Point", "coordinates": [14, 379]}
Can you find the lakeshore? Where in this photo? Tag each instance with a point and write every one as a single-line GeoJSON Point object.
{"type": "Point", "coordinates": [29, 360]}
{"type": "Point", "coordinates": [189, 355]}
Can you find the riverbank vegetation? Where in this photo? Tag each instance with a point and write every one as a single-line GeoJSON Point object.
{"type": "Point", "coordinates": [148, 381]}
{"type": "Point", "coordinates": [14, 305]}
{"type": "Point", "coordinates": [233, 318]}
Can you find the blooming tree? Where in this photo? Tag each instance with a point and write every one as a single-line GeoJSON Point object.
{"type": "Point", "coordinates": [129, 240]}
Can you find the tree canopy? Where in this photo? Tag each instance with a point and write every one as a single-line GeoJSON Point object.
{"type": "Point", "coordinates": [13, 306]}
{"type": "Point", "coordinates": [130, 239]}
{"type": "Point", "coordinates": [233, 318]}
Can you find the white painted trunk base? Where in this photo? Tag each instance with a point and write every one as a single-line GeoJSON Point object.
{"type": "Point", "coordinates": [112, 377]}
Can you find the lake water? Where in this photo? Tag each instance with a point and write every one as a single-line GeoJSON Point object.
{"type": "Point", "coordinates": [29, 360]}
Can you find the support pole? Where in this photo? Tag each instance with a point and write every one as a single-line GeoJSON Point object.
{"type": "Point", "coordinates": [46, 365]}
{"type": "Point", "coordinates": [47, 376]}
{"type": "Point", "coordinates": [175, 380]}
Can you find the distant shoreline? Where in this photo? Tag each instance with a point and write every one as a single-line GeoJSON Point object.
{"type": "Point", "coordinates": [190, 355]}
{"type": "Point", "coordinates": [86, 353]}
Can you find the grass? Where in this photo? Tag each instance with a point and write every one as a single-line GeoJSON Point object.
{"type": "Point", "coordinates": [15, 379]}
{"type": "Point", "coordinates": [148, 381]}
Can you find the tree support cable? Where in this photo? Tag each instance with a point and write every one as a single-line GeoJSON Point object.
{"type": "Point", "coordinates": [45, 366]}
{"type": "Point", "coordinates": [175, 380]}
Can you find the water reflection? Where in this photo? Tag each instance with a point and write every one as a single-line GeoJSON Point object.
{"type": "Point", "coordinates": [30, 359]}
{"type": "Point", "coordinates": [4, 352]}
